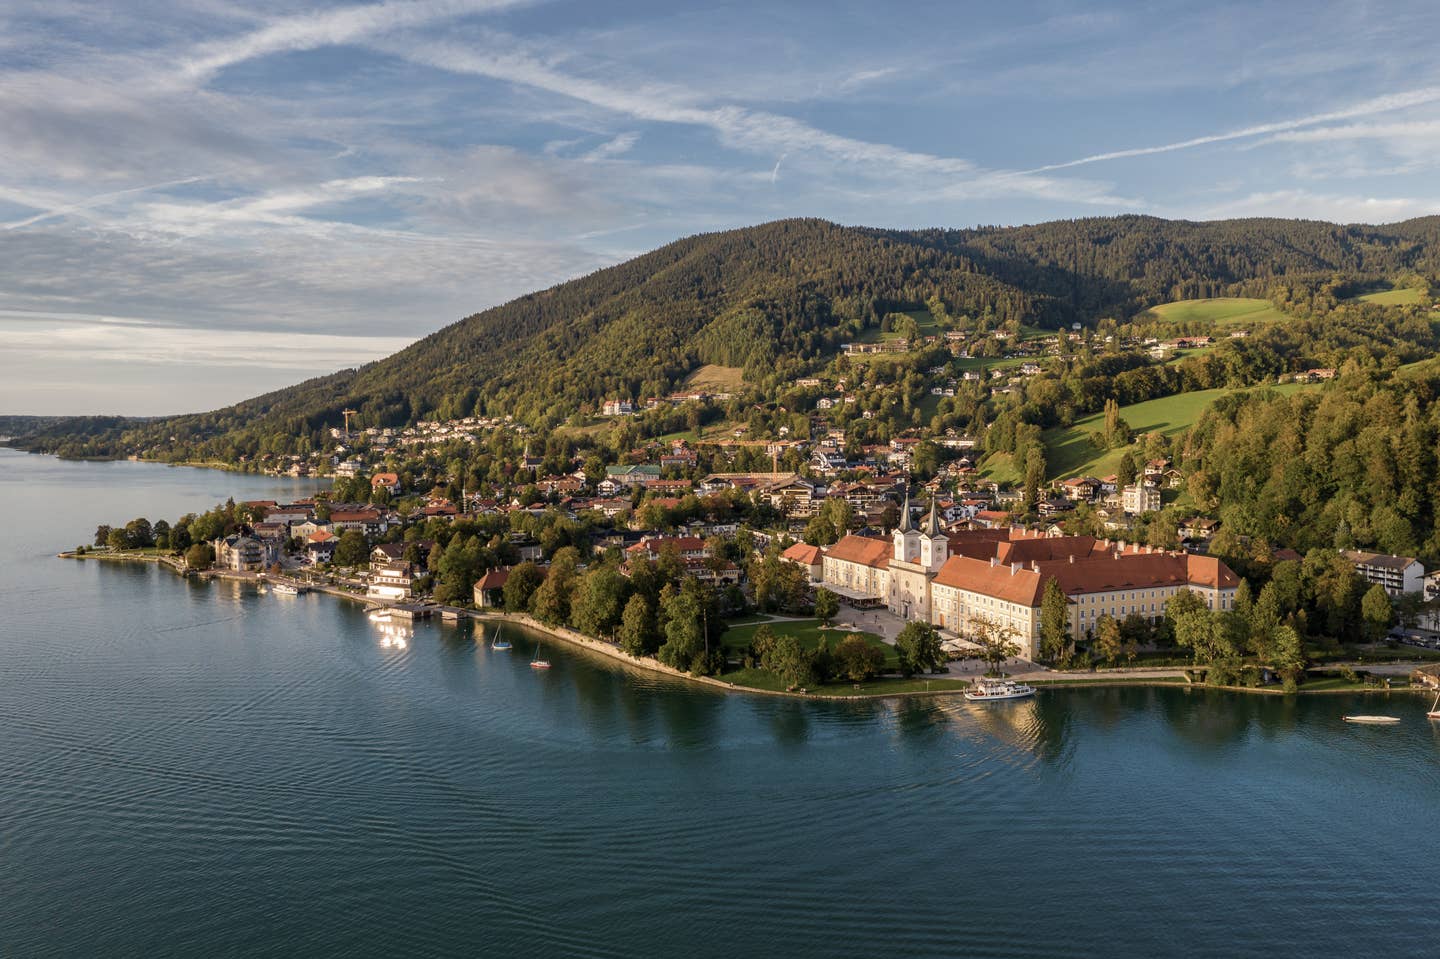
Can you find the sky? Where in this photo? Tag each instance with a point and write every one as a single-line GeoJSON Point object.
{"type": "Point", "coordinates": [202, 201]}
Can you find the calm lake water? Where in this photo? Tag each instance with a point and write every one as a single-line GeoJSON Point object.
{"type": "Point", "coordinates": [198, 770]}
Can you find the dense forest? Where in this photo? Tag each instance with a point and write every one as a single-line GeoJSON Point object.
{"type": "Point", "coordinates": [777, 300]}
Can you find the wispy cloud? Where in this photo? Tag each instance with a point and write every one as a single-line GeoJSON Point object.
{"type": "Point", "coordinates": [1376, 105]}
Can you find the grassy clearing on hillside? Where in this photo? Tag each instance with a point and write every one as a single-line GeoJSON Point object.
{"type": "Point", "coordinates": [1000, 468]}
{"type": "Point", "coordinates": [716, 379]}
{"type": "Point", "coordinates": [1221, 311]}
{"type": "Point", "coordinates": [924, 321]}
{"type": "Point", "coordinates": [1069, 452]}
{"type": "Point", "coordinates": [1405, 296]}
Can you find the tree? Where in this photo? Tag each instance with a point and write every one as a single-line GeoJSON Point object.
{"type": "Point", "coordinates": [1054, 621]}
{"type": "Point", "coordinates": [1289, 657]}
{"type": "Point", "coordinates": [1126, 472]}
{"type": "Point", "coordinates": [788, 660]}
{"type": "Point", "coordinates": [827, 604]}
{"type": "Point", "coordinates": [1377, 613]}
{"type": "Point", "coordinates": [858, 660]}
{"type": "Point", "coordinates": [102, 535]}
{"type": "Point", "coordinates": [637, 627]}
{"type": "Point", "coordinates": [599, 601]}
{"type": "Point", "coordinates": [117, 539]}
{"type": "Point", "coordinates": [1109, 643]}
{"type": "Point", "coordinates": [995, 639]}
{"type": "Point", "coordinates": [550, 603]}
{"type": "Point", "coordinates": [352, 549]}
{"type": "Point", "coordinates": [684, 631]}
{"type": "Point", "coordinates": [1034, 476]}
{"type": "Point", "coordinates": [199, 556]}
{"type": "Point", "coordinates": [521, 585]}
{"type": "Point", "coordinates": [918, 646]}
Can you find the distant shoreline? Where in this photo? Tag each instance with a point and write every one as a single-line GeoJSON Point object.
{"type": "Point", "coordinates": [651, 664]}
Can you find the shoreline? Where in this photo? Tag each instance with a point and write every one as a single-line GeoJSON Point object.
{"type": "Point", "coordinates": [613, 653]}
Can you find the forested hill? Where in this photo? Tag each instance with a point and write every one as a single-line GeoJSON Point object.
{"type": "Point", "coordinates": [778, 299]}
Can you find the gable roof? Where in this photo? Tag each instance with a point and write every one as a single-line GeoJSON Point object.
{"type": "Point", "coordinates": [804, 554]}
{"type": "Point", "coordinates": [865, 550]}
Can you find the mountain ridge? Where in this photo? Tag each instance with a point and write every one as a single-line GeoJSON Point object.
{"type": "Point", "coordinates": [779, 298]}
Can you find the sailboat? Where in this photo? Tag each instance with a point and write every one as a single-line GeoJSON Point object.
{"type": "Point", "coordinates": [1434, 712]}
{"type": "Point", "coordinates": [500, 642]}
{"type": "Point", "coordinates": [537, 662]}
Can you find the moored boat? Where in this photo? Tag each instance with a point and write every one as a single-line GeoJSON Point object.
{"type": "Point", "coordinates": [285, 589]}
{"type": "Point", "coordinates": [986, 689]}
{"type": "Point", "coordinates": [1434, 712]}
{"type": "Point", "coordinates": [1373, 720]}
{"type": "Point", "coordinates": [537, 663]}
{"type": "Point", "coordinates": [500, 642]}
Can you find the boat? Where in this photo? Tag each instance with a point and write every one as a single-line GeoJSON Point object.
{"type": "Point", "coordinates": [986, 689]}
{"type": "Point", "coordinates": [537, 663]}
{"type": "Point", "coordinates": [285, 589]}
{"type": "Point", "coordinates": [1434, 712]}
{"type": "Point", "coordinates": [499, 642]}
{"type": "Point", "coordinates": [1373, 720]}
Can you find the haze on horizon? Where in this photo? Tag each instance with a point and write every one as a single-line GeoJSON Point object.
{"type": "Point", "coordinates": [202, 201]}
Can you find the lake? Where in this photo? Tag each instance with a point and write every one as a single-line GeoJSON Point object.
{"type": "Point", "coordinates": [197, 769]}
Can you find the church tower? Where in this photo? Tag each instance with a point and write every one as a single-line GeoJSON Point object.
{"type": "Point", "coordinates": [934, 544]}
{"type": "Point", "coordinates": [907, 538]}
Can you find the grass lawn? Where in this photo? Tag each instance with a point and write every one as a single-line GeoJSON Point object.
{"type": "Point", "coordinates": [1001, 468]}
{"type": "Point", "coordinates": [888, 686]}
{"type": "Point", "coordinates": [1222, 311]}
{"type": "Point", "coordinates": [1407, 296]}
{"type": "Point", "coordinates": [989, 362]}
{"type": "Point", "coordinates": [1068, 450]}
{"type": "Point", "coordinates": [808, 631]}
{"type": "Point", "coordinates": [924, 322]}
{"type": "Point", "coordinates": [716, 379]}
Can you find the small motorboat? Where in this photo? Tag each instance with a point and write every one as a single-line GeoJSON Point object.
{"type": "Point", "coordinates": [987, 689]}
{"type": "Point", "coordinates": [1373, 720]}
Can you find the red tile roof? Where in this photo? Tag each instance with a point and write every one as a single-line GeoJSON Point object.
{"type": "Point", "coordinates": [865, 550]}
{"type": "Point", "coordinates": [804, 554]}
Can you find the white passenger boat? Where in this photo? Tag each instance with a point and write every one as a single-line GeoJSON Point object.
{"type": "Point", "coordinates": [285, 589]}
{"type": "Point", "coordinates": [986, 689]}
{"type": "Point", "coordinates": [1373, 720]}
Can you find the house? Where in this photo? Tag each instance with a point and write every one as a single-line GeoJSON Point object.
{"type": "Point", "coordinates": [624, 476]}
{"type": "Point", "coordinates": [490, 588]}
{"type": "Point", "coordinates": [389, 482]}
{"type": "Point", "coordinates": [809, 558]}
{"type": "Point", "coordinates": [391, 582]}
{"type": "Point", "coordinates": [240, 553]}
{"type": "Point", "coordinates": [1097, 578]}
{"type": "Point", "coordinates": [858, 569]}
{"type": "Point", "coordinates": [1199, 528]}
{"type": "Point", "coordinates": [792, 495]}
{"type": "Point", "coordinates": [1080, 489]}
{"type": "Point", "coordinates": [1398, 574]}
{"type": "Point", "coordinates": [690, 549]}
{"type": "Point", "coordinates": [320, 546]}
{"type": "Point", "coordinates": [617, 408]}
{"type": "Point", "coordinates": [1140, 498]}
{"type": "Point", "coordinates": [368, 521]}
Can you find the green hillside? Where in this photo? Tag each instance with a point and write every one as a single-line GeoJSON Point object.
{"type": "Point", "coordinates": [1069, 451]}
{"type": "Point", "coordinates": [1405, 296]}
{"type": "Point", "coordinates": [1220, 312]}
{"type": "Point", "coordinates": [776, 302]}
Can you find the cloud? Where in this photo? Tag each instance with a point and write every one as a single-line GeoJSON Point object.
{"type": "Point", "coordinates": [1375, 105]}
{"type": "Point", "coordinates": [737, 127]}
{"type": "Point", "coordinates": [1337, 208]}
{"type": "Point", "coordinates": [615, 147]}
